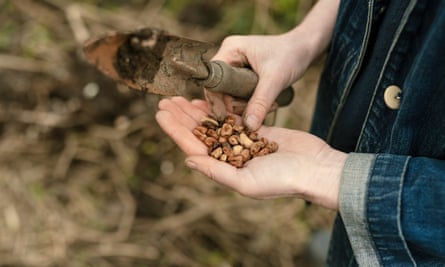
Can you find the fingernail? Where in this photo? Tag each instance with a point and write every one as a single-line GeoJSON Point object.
{"type": "Point", "coordinates": [190, 164]}
{"type": "Point", "coordinates": [251, 121]}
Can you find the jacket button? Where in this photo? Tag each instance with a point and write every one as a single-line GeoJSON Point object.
{"type": "Point", "coordinates": [392, 96]}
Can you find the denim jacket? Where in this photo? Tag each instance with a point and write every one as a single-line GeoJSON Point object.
{"type": "Point", "coordinates": [392, 195]}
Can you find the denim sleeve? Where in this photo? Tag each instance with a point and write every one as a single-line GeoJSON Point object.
{"type": "Point", "coordinates": [393, 209]}
{"type": "Point", "coordinates": [423, 217]}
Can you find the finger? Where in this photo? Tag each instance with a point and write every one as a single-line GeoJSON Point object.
{"type": "Point", "coordinates": [202, 105]}
{"type": "Point", "coordinates": [260, 103]}
{"type": "Point", "coordinates": [188, 108]}
{"type": "Point", "coordinates": [180, 133]}
{"type": "Point", "coordinates": [178, 112]}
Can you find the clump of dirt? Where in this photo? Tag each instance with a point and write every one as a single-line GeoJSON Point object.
{"type": "Point", "coordinates": [139, 58]}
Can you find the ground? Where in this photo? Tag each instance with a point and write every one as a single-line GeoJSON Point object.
{"type": "Point", "coordinates": [87, 178]}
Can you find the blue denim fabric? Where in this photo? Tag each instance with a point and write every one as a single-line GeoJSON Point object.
{"type": "Point", "coordinates": [392, 196]}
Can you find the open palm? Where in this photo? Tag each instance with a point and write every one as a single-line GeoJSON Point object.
{"type": "Point", "coordinates": [291, 171]}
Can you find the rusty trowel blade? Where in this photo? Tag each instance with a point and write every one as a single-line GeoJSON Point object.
{"type": "Point", "coordinates": [150, 60]}
{"type": "Point", "coordinates": [101, 52]}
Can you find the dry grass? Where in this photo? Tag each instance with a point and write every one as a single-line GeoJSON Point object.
{"type": "Point", "coordinates": [87, 178]}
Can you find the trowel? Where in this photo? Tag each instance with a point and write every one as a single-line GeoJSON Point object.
{"type": "Point", "coordinates": [154, 61]}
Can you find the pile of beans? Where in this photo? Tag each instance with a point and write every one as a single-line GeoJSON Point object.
{"type": "Point", "coordinates": [232, 143]}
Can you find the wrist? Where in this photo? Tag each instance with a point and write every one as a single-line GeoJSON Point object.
{"type": "Point", "coordinates": [325, 183]}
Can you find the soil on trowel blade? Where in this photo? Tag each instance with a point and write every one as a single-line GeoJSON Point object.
{"type": "Point", "coordinates": [139, 58]}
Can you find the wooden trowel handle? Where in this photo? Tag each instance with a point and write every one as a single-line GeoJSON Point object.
{"type": "Point", "coordinates": [238, 82]}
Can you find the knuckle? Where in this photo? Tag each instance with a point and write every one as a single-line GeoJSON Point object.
{"type": "Point", "coordinates": [232, 39]}
{"type": "Point", "coordinates": [260, 105]}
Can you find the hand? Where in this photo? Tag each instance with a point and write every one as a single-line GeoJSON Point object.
{"type": "Point", "coordinates": [279, 60]}
{"type": "Point", "coordinates": [304, 165]}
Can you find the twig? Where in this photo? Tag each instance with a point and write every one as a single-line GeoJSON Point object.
{"type": "Point", "coordinates": [128, 203]}
{"type": "Point", "coordinates": [124, 250]}
{"type": "Point", "coordinates": [18, 63]}
{"type": "Point", "coordinates": [25, 64]}
{"type": "Point", "coordinates": [126, 157]}
{"type": "Point", "coordinates": [12, 218]}
{"type": "Point", "coordinates": [64, 161]}
{"type": "Point", "coordinates": [169, 223]}
{"type": "Point", "coordinates": [49, 119]}
{"type": "Point", "coordinates": [74, 16]}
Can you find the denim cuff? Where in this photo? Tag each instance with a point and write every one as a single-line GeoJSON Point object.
{"type": "Point", "coordinates": [384, 209]}
{"type": "Point", "coordinates": [370, 206]}
{"type": "Point", "coordinates": [353, 192]}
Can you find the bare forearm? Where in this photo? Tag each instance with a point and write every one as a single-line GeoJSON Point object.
{"type": "Point", "coordinates": [318, 26]}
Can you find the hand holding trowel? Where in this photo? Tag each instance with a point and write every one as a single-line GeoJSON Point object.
{"type": "Point", "coordinates": [152, 60]}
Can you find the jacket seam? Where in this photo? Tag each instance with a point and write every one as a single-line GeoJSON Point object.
{"type": "Point", "coordinates": [408, 12]}
{"type": "Point", "coordinates": [354, 71]}
{"type": "Point", "coordinates": [399, 212]}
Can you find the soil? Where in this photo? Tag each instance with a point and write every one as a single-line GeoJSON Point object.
{"type": "Point", "coordinates": [139, 58]}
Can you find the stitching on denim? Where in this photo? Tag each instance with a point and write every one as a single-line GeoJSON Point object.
{"type": "Point", "coordinates": [355, 70]}
{"type": "Point", "coordinates": [371, 240]}
{"type": "Point", "coordinates": [403, 22]}
{"type": "Point", "coordinates": [399, 212]}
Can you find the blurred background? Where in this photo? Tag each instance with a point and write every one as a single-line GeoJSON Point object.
{"type": "Point", "coordinates": [87, 178]}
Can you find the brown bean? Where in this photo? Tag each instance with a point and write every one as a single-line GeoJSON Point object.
{"type": "Point", "coordinates": [201, 129]}
{"type": "Point", "coordinates": [238, 128]}
{"type": "Point", "coordinates": [256, 147]}
{"type": "Point", "coordinates": [210, 141]}
{"type": "Point", "coordinates": [226, 130]}
{"type": "Point", "coordinates": [262, 152]}
{"type": "Point", "coordinates": [233, 140]}
{"type": "Point", "coordinates": [236, 160]}
{"type": "Point", "coordinates": [223, 157]}
{"type": "Point", "coordinates": [222, 139]}
{"type": "Point", "coordinates": [232, 143]}
{"type": "Point", "coordinates": [237, 149]}
{"type": "Point", "coordinates": [227, 149]}
{"type": "Point", "coordinates": [209, 122]}
{"type": "Point", "coordinates": [253, 136]}
{"type": "Point", "coordinates": [245, 140]}
{"type": "Point", "coordinates": [273, 146]}
{"type": "Point", "coordinates": [216, 153]}
{"type": "Point", "coordinates": [264, 140]}
{"type": "Point", "coordinates": [212, 133]}
{"type": "Point", "coordinates": [245, 153]}
{"type": "Point", "coordinates": [201, 136]}
{"type": "Point", "coordinates": [230, 120]}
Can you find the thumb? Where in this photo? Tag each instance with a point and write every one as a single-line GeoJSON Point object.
{"type": "Point", "coordinates": [260, 103]}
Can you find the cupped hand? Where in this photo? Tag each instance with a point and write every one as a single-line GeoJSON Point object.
{"type": "Point", "coordinates": [304, 165]}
